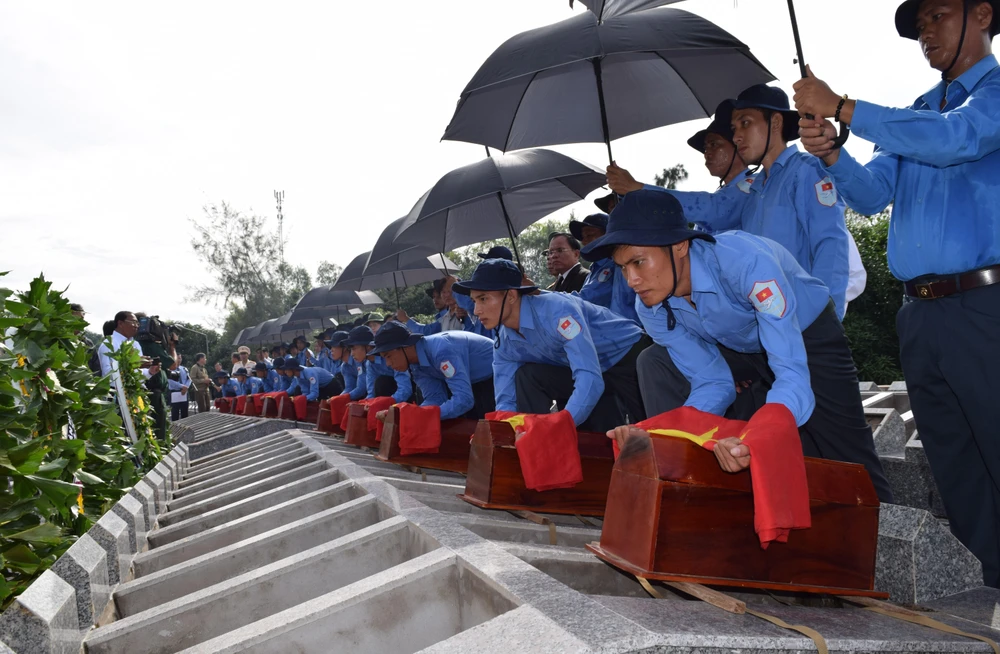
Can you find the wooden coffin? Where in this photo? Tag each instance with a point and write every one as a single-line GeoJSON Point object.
{"type": "Point", "coordinates": [673, 514]}
{"type": "Point", "coordinates": [357, 427]}
{"type": "Point", "coordinates": [495, 481]}
{"type": "Point", "coordinates": [269, 408]}
{"type": "Point", "coordinates": [252, 405]}
{"type": "Point", "coordinates": [286, 408]}
{"type": "Point", "coordinates": [453, 454]}
{"type": "Point", "coordinates": [324, 422]}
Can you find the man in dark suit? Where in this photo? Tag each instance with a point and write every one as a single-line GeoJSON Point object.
{"type": "Point", "coordinates": [563, 261]}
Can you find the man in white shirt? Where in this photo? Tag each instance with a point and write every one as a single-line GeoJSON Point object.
{"type": "Point", "coordinates": [126, 327]}
{"type": "Point", "coordinates": [244, 361]}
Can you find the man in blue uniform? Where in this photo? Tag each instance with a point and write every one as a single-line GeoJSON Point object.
{"type": "Point", "coordinates": [453, 370]}
{"type": "Point", "coordinates": [252, 384]}
{"type": "Point", "coordinates": [380, 380]}
{"type": "Point", "coordinates": [793, 201]}
{"type": "Point", "coordinates": [269, 378]}
{"type": "Point", "coordinates": [241, 381]}
{"type": "Point", "coordinates": [301, 351]}
{"type": "Point", "coordinates": [605, 285]}
{"type": "Point", "coordinates": [557, 347]}
{"type": "Point", "coordinates": [938, 162]}
{"type": "Point", "coordinates": [315, 383]}
{"type": "Point", "coordinates": [228, 386]}
{"type": "Point", "coordinates": [355, 382]}
{"type": "Point", "coordinates": [735, 307]}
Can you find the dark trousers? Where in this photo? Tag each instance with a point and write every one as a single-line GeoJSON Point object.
{"type": "Point", "coordinates": [204, 399]}
{"type": "Point", "coordinates": [385, 386]}
{"type": "Point", "coordinates": [950, 350]}
{"type": "Point", "coordinates": [836, 430]}
{"type": "Point", "coordinates": [537, 385]}
{"type": "Point", "coordinates": [333, 387]}
{"type": "Point", "coordinates": [485, 400]}
{"type": "Point", "coordinates": [178, 410]}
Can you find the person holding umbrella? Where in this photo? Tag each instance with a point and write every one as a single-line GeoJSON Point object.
{"type": "Point", "coordinates": [434, 293]}
{"type": "Point", "coordinates": [605, 285]}
{"type": "Point", "coordinates": [453, 370]}
{"type": "Point", "coordinates": [355, 383]}
{"type": "Point", "coordinates": [557, 347]}
{"type": "Point", "coordinates": [736, 306]}
{"type": "Point", "coordinates": [722, 159]}
{"type": "Point", "coordinates": [938, 163]}
{"type": "Point", "coordinates": [792, 201]}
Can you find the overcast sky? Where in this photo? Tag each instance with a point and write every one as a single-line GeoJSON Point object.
{"type": "Point", "coordinates": [120, 120]}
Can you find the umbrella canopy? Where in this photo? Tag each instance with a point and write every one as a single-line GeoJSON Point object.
{"type": "Point", "coordinates": [326, 297]}
{"type": "Point", "coordinates": [248, 335]}
{"type": "Point", "coordinates": [403, 254]}
{"type": "Point", "coordinates": [605, 9]}
{"type": "Point", "coordinates": [239, 337]}
{"type": "Point", "coordinates": [581, 81]}
{"type": "Point", "coordinates": [496, 197]}
{"type": "Point", "coordinates": [286, 328]}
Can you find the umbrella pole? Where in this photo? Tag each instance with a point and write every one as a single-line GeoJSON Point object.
{"type": "Point", "coordinates": [845, 131]}
{"type": "Point", "coordinates": [604, 110]}
{"type": "Point", "coordinates": [395, 288]}
{"type": "Point", "coordinates": [510, 227]}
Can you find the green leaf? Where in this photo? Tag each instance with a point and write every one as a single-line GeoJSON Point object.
{"type": "Point", "coordinates": [60, 492]}
{"type": "Point", "coordinates": [54, 466]}
{"type": "Point", "coordinates": [88, 478]}
{"type": "Point", "coordinates": [5, 590]}
{"type": "Point", "coordinates": [20, 557]}
{"type": "Point", "coordinates": [48, 534]}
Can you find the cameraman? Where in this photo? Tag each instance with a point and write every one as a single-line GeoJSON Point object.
{"type": "Point", "coordinates": [153, 337]}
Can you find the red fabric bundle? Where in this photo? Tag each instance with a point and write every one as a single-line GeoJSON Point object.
{"type": "Point", "coordinates": [300, 402]}
{"type": "Point", "coordinates": [241, 404]}
{"type": "Point", "coordinates": [419, 429]}
{"type": "Point", "coordinates": [346, 417]}
{"type": "Point", "coordinates": [777, 467]}
{"type": "Point", "coordinates": [222, 404]}
{"type": "Point", "coordinates": [376, 404]}
{"type": "Point", "coordinates": [338, 409]}
{"type": "Point", "coordinates": [549, 451]}
{"type": "Point", "coordinates": [501, 415]}
{"type": "Point", "coordinates": [253, 406]}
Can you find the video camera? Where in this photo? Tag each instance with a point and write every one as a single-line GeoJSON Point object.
{"type": "Point", "coordinates": [152, 329]}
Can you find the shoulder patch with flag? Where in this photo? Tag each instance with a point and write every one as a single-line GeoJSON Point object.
{"type": "Point", "coordinates": [826, 193]}
{"type": "Point", "coordinates": [568, 327]}
{"type": "Point", "coordinates": [768, 298]}
{"type": "Point", "coordinates": [604, 275]}
{"type": "Point", "coordinates": [745, 184]}
{"type": "Point", "coordinates": [447, 369]}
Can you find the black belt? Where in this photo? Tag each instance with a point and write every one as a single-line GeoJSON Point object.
{"type": "Point", "coordinates": [933, 287]}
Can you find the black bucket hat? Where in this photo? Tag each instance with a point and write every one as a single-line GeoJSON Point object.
{"type": "Point", "coordinates": [279, 363]}
{"type": "Point", "coordinates": [493, 275]}
{"type": "Point", "coordinates": [906, 18]}
{"type": "Point", "coordinates": [645, 217]}
{"type": "Point", "coordinates": [393, 336]}
{"type": "Point", "coordinates": [598, 220]}
{"type": "Point", "coordinates": [497, 252]}
{"type": "Point", "coordinates": [360, 335]}
{"type": "Point", "coordinates": [221, 374]}
{"type": "Point", "coordinates": [337, 339]}
{"type": "Point", "coordinates": [260, 367]}
{"type": "Point", "coordinates": [604, 202]}
{"type": "Point", "coordinates": [770, 98]}
{"type": "Point", "coordinates": [721, 124]}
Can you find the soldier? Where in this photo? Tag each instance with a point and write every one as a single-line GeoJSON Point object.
{"type": "Point", "coordinates": [557, 347]}
{"type": "Point", "coordinates": [735, 307]}
{"type": "Point", "coordinates": [453, 370]}
{"type": "Point", "coordinates": [938, 163]}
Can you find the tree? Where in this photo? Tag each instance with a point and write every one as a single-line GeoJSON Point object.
{"type": "Point", "coordinates": [328, 273]}
{"type": "Point", "coordinates": [671, 177]}
{"type": "Point", "coordinates": [238, 251]}
{"type": "Point", "coordinates": [530, 244]}
{"type": "Point", "coordinates": [870, 322]}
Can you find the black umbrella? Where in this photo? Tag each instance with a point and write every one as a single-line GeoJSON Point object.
{"type": "Point", "coordinates": [605, 9]}
{"type": "Point", "coordinates": [496, 197]}
{"type": "Point", "coordinates": [391, 272]}
{"type": "Point", "coordinates": [584, 81]}
{"type": "Point", "coordinates": [325, 301]}
{"type": "Point", "coordinates": [287, 327]}
{"type": "Point", "coordinates": [237, 340]}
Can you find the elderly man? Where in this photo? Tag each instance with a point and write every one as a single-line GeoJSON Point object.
{"type": "Point", "coordinates": [563, 262]}
{"type": "Point", "coordinates": [201, 383]}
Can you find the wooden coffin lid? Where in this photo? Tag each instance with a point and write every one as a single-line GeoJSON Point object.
{"type": "Point", "coordinates": [501, 434]}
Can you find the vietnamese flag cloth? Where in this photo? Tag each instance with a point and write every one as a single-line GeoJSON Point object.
{"type": "Point", "coordinates": [419, 429]}
{"type": "Point", "coordinates": [777, 467]}
{"type": "Point", "coordinates": [347, 416]}
{"type": "Point", "coordinates": [548, 450]}
{"type": "Point", "coordinates": [338, 409]}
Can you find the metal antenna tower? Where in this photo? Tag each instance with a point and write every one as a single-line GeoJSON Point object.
{"type": "Point", "coordinates": [279, 196]}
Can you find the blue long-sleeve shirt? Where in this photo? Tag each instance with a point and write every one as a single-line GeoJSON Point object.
{"type": "Point", "coordinates": [355, 382]}
{"type": "Point", "coordinates": [750, 295]}
{"type": "Point", "coordinates": [377, 367]}
{"type": "Point", "coordinates": [563, 330]}
{"type": "Point", "coordinates": [272, 382]}
{"type": "Point", "coordinates": [795, 205]}
{"type": "Point", "coordinates": [311, 380]}
{"type": "Point", "coordinates": [253, 385]}
{"type": "Point", "coordinates": [941, 171]}
{"type": "Point", "coordinates": [451, 362]}
{"type": "Point", "coordinates": [606, 286]}
{"type": "Point", "coordinates": [470, 323]}
{"type": "Point", "coordinates": [432, 328]}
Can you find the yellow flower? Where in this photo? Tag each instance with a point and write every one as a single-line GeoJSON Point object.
{"type": "Point", "coordinates": [21, 361]}
{"type": "Point", "coordinates": [142, 405]}
{"type": "Point", "coordinates": [79, 500]}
